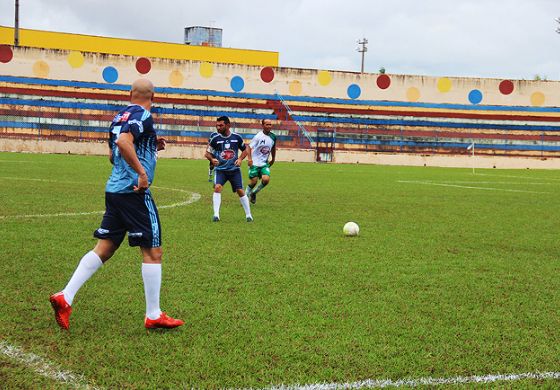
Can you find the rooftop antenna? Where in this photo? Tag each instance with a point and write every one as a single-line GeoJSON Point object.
{"type": "Point", "coordinates": [16, 25]}
{"type": "Point", "coordinates": [362, 50]}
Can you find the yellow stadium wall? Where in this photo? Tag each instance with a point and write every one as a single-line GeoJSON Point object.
{"type": "Point", "coordinates": [130, 47]}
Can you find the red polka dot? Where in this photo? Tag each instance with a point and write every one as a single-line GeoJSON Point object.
{"type": "Point", "coordinates": [383, 81]}
{"type": "Point", "coordinates": [6, 54]}
{"type": "Point", "coordinates": [506, 87]}
{"type": "Point", "coordinates": [267, 74]}
{"type": "Point", "coordinates": [143, 65]}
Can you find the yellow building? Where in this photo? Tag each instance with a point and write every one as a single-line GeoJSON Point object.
{"type": "Point", "coordinates": [132, 47]}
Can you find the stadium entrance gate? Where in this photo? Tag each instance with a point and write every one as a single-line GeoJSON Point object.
{"type": "Point", "coordinates": [325, 142]}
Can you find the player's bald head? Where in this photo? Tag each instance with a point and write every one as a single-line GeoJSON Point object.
{"type": "Point", "coordinates": [142, 89]}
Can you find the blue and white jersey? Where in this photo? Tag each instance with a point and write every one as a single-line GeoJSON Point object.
{"type": "Point", "coordinates": [137, 121]}
{"type": "Point", "coordinates": [226, 150]}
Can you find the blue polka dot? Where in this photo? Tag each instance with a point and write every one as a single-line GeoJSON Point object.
{"type": "Point", "coordinates": [237, 83]}
{"type": "Point", "coordinates": [475, 96]}
{"type": "Point", "coordinates": [110, 74]}
{"type": "Point", "coordinates": [354, 91]}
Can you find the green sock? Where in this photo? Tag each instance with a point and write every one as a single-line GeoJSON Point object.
{"type": "Point", "coordinates": [259, 187]}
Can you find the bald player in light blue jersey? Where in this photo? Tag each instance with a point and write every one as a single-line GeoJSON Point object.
{"type": "Point", "coordinates": [129, 208]}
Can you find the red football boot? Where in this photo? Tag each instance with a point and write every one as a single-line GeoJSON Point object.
{"type": "Point", "coordinates": [62, 310]}
{"type": "Point", "coordinates": [164, 321]}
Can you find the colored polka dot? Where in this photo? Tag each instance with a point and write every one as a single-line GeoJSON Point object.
{"type": "Point", "coordinates": [143, 65]}
{"type": "Point", "coordinates": [506, 87]}
{"type": "Point", "coordinates": [176, 78]}
{"type": "Point", "coordinates": [237, 83]}
{"type": "Point", "coordinates": [6, 54]}
{"type": "Point", "coordinates": [295, 87]}
{"type": "Point", "coordinates": [537, 99]}
{"type": "Point", "coordinates": [412, 94]}
{"type": "Point", "coordinates": [206, 69]}
{"type": "Point", "coordinates": [475, 96]}
{"type": "Point", "coordinates": [41, 69]}
{"type": "Point", "coordinates": [267, 74]}
{"type": "Point", "coordinates": [110, 74]}
{"type": "Point", "coordinates": [354, 91]}
{"type": "Point", "coordinates": [324, 77]}
{"type": "Point", "coordinates": [383, 81]}
{"type": "Point", "coordinates": [444, 85]}
{"type": "Point", "coordinates": [75, 59]}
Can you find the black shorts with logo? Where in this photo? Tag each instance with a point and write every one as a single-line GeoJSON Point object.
{"type": "Point", "coordinates": [135, 213]}
{"type": "Point", "coordinates": [234, 178]}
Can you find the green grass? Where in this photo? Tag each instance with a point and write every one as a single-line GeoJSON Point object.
{"type": "Point", "coordinates": [443, 281]}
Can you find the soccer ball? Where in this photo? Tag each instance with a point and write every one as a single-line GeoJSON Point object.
{"type": "Point", "coordinates": [351, 229]}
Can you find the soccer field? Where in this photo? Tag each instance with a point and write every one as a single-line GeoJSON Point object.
{"type": "Point", "coordinates": [453, 275]}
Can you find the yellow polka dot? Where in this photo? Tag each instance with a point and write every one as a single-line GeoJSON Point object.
{"type": "Point", "coordinates": [75, 59]}
{"type": "Point", "coordinates": [206, 69]}
{"type": "Point", "coordinates": [412, 94]}
{"type": "Point", "coordinates": [444, 85]}
{"type": "Point", "coordinates": [295, 87]}
{"type": "Point", "coordinates": [537, 99]}
{"type": "Point", "coordinates": [324, 77]}
{"type": "Point", "coordinates": [176, 78]}
{"type": "Point", "coordinates": [41, 69]}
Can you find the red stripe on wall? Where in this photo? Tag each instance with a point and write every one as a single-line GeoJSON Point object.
{"type": "Point", "coordinates": [428, 114]}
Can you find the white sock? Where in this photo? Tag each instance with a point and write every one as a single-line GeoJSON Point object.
{"type": "Point", "coordinates": [151, 274]}
{"type": "Point", "coordinates": [245, 203]}
{"type": "Point", "coordinates": [88, 265]}
{"type": "Point", "coordinates": [217, 201]}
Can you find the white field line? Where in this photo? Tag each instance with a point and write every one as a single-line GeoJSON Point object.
{"type": "Point", "coordinates": [497, 182]}
{"type": "Point", "coordinates": [43, 367]}
{"type": "Point", "coordinates": [428, 381]}
{"type": "Point", "coordinates": [194, 197]}
{"type": "Point", "coordinates": [43, 180]}
{"type": "Point", "coordinates": [19, 162]}
{"type": "Point", "coordinates": [428, 183]}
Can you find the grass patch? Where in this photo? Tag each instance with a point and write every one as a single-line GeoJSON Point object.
{"type": "Point", "coordinates": [443, 281]}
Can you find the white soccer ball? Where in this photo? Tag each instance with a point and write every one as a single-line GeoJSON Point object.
{"type": "Point", "coordinates": [351, 229]}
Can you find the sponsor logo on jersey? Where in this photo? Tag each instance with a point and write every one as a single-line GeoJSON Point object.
{"type": "Point", "coordinates": [122, 117]}
{"type": "Point", "coordinates": [265, 150]}
{"type": "Point", "coordinates": [227, 154]}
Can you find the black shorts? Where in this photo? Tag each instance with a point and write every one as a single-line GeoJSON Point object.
{"type": "Point", "coordinates": [234, 177]}
{"type": "Point", "coordinates": [134, 213]}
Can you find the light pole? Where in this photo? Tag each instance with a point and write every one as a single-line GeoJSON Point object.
{"type": "Point", "coordinates": [362, 50]}
{"type": "Point", "coordinates": [16, 25]}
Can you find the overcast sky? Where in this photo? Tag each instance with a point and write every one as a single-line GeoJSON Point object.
{"type": "Point", "coordinates": [480, 38]}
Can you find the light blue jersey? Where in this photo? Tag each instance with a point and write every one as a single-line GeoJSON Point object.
{"type": "Point", "coordinates": [137, 121]}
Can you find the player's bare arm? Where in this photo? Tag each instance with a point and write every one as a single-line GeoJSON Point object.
{"type": "Point", "coordinates": [210, 157]}
{"type": "Point", "coordinates": [161, 143]}
{"type": "Point", "coordinates": [273, 155]}
{"type": "Point", "coordinates": [250, 157]}
{"type": "Point", "coordinates": [243, 155]}
{"type": "Point", "coordinates": [125, 143]}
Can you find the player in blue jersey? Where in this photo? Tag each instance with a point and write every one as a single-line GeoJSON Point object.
{"type": "Point", "coordinates": [223, 152]}
{"type": "Point", "coordinates": [129, 207]}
